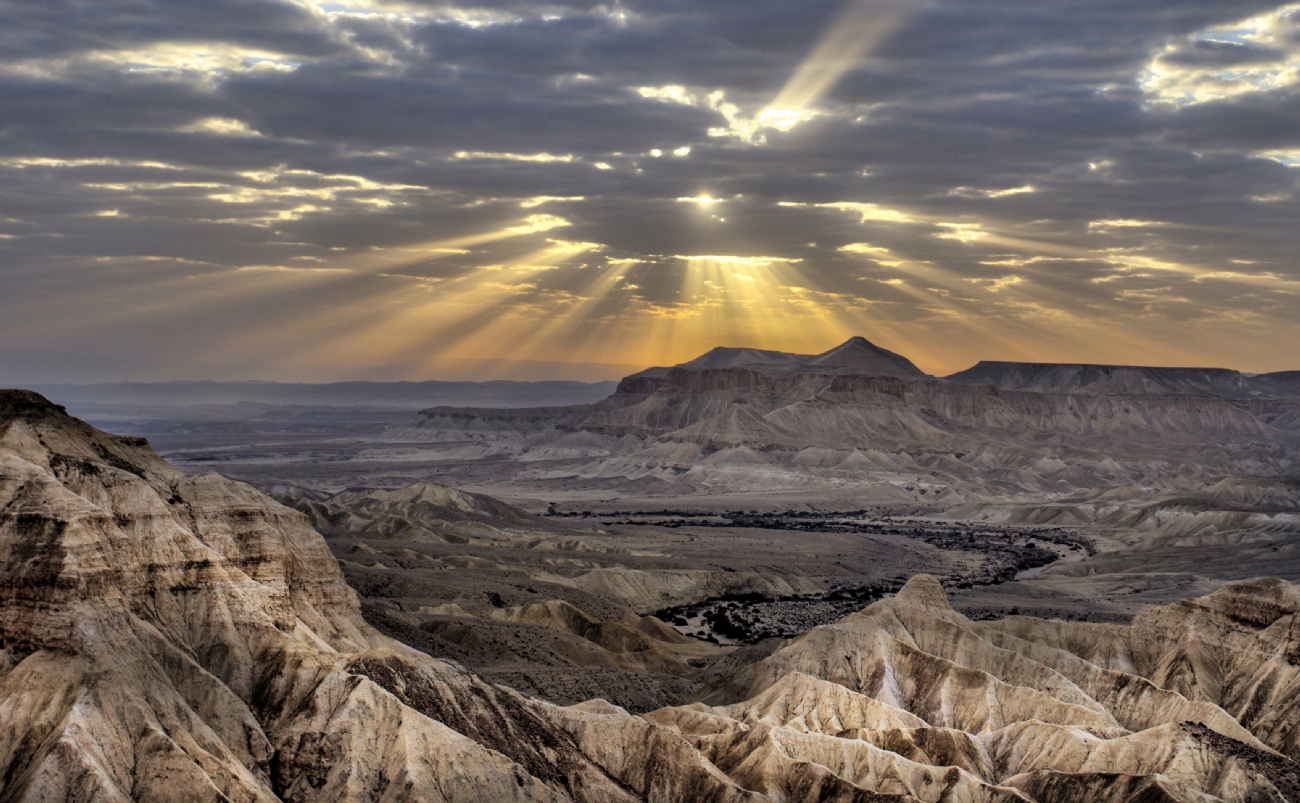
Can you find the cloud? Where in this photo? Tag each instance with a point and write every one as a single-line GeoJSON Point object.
{"type": "Point", "coordinates": [961, 232]}
{"type": "Point", "coordinates": [530, 203]}
{"type": "Point", "coordinates": [969, 192]}
{"type": "Point", "coordinates": [515, 157]}
{"type": "Point", "coordinates": [220, 126]}
{"type": "Point", "coordinates": [1124, 223]}
{"type": "Point", "coordinates": [1259, 54]}
{"type": "Point", "coordinates": [869, 211]}
{"type": "Point", "coordinates": [387, 180]}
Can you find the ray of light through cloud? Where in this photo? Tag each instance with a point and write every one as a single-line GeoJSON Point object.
{"type": "Point", "coordinates": [861, 27]}
{"type": "Point", "coordinates": [387, 183]}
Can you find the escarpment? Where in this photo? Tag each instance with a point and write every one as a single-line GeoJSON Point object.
{"type": "Point", "coordinates": [778, 407]}
{"type": "Point", "coordinates": [169, 637]}
{"type": "Point", "coordinates": [166, 636]}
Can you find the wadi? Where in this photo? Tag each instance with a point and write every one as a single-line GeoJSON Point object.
{"type": "Point", "coordinates": [751, 576]}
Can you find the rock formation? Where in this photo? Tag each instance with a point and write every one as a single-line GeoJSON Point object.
{"type": "Point", "coordinates": [173, 637]}
{"type": "Point", "coordinates": [855, 355]}
{"type": "Point", "coordinates": [1107, 379]}
{"type": "Point", "coordinates": [423, 512]}
{"type": "Point", "coordinates": [746, 421]}
{"type": "Point", "coordinates": [183, 637]}
{"type": "Point", "coordinates": [1144, 456]}
{"type": "Point", "coordinates": [908, 697]}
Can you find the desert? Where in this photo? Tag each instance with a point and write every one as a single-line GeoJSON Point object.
{"type": "Point", "coordinates": [649, 401]}
{"type": "Point", "coordinates": [754, 575]}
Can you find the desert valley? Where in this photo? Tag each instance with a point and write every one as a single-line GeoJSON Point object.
{"type": "Point", "coordinates": [647, 401]}
{"type": "Point", "coordinates": [752, 576]}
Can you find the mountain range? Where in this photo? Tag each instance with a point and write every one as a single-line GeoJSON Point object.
{"type": "Point", "coordinates": [993, 428]}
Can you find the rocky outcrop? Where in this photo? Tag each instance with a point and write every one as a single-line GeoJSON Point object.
{"type": "Point", "coordinates": [169, 637]}
{"type": "Point", "coordinates": [908, 693]}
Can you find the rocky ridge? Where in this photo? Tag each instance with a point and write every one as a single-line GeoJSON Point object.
{"type": "Point", "coordinates": [422, 512]}
{"type": "Point", "coordinates": [1110, 379]}
{"type": "Point", "coordinates": [748, 426]}
{"type": "Point", "coordinates": [857, 354]}
{"type": "Point", "coordinates": [1193, 701]}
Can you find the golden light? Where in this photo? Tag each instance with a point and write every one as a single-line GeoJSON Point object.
{"type": "Point", "coordinates": [380, 306]}
{"type": "Point", "coordinates": [858, 31]}
{"type": "Point", "coordinates": [467, 316]}
{"type": "Point", "coordinates": [702, 200]}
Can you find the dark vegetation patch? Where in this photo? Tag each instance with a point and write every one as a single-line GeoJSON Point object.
{"type": "Point", "coordinates": [752, 617]}
{"type": "Point", "coordinates": [962, 536]}
{"type": "Point", "coordinates": [635, 692]}
{"type": "Point", "coordinates": [1004, 551]}
{"type": "Point", "coordinates": [988, 613]}
{"type": "Point", "coordinates": [379, 617]}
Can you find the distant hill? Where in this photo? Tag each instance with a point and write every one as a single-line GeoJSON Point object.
{"type": "Point", "coordinates": [1282, 383]}
{"type": "Point", "coordinates": [390, 395]}
{"type": "Point", "coordinates": [856, 355]}
{"type": "Point", "coordinates": [1127, 379]}
{"type": "Point", "coordinates": [723, 357]}
{"type": "Point", "coordinates": [861, 356]}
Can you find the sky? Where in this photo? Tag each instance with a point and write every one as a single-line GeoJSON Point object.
{"type": "Point", "coordinates": [312, 191]}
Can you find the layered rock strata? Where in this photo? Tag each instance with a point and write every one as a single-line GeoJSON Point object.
{"type": "Point", "coordinates": [183, 637]}
{"type": "Point", "coordinates": [1194, 701]}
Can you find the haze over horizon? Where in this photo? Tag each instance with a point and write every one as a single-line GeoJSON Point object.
{"type": "Point", "coordinates": [366, 189]}
{"type": "Point", "coordinates": [70, 370]}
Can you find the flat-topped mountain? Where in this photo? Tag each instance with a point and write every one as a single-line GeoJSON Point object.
{"type": "Point", "coordinates": [860, 356]}
{"type": "Point", "coordinates": [1062, 430]}
{"type": "Point", "coordinates": [1010, 442]}
{"type": "Point", "coordinates": [1108, 379]}
{"type": "Point", "coordinates": [855, 355]}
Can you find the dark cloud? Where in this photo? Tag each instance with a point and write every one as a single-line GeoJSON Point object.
{"type": "Point", "coordinates": [296, 185]}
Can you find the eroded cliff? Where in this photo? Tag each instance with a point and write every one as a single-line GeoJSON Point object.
{"type": "Point", "coordinates": [167, 636]}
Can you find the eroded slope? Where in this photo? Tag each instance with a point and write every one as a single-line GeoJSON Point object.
{"type": "Point", "coordinates": [169, 637]}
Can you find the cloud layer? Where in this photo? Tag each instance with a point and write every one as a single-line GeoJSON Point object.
{"type": "Point", "coordinates": [302, 188]}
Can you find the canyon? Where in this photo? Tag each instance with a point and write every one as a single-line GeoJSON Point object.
{"type": "Point", "coordinates": [752, 576]}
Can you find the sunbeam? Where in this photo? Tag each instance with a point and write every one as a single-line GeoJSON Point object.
{"type": "Point", "coordinates": [856, 32]}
